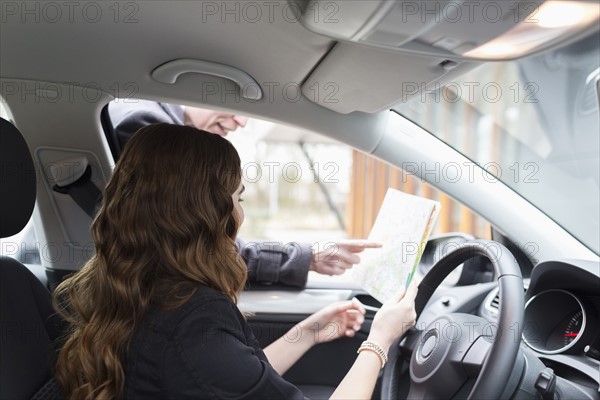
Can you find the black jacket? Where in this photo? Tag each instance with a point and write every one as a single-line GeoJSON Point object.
{"type": "Point", "coordinates": [204, 349]}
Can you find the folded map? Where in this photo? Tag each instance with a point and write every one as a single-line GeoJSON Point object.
{"type": "Point", "coordinates": [403, 226]}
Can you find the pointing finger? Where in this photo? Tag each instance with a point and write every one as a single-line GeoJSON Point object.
{"type": "Point", "coordinates": [356, 246]}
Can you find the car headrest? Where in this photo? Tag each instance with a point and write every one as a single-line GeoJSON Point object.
{"type": "Point", "coordinates": [17, 180]}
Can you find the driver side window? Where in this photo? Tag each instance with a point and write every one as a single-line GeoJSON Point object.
{"type": "Point", "coordinates": [303, 187]}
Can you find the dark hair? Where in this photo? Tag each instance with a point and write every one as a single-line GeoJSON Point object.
{"type": "Point", "coordinates": [165, 225]}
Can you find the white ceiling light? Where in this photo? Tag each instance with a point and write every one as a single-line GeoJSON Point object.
{"type": "Point", "coordinates": [496, 49]}
{"type": "Point", "coordinates": [558, 14]}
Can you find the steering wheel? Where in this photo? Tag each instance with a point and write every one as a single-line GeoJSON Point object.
{"type": "Point", "coordinates": [456, 350]}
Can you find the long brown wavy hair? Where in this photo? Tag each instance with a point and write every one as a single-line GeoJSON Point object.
{"type": "Point", "coordinates": [165, 225]}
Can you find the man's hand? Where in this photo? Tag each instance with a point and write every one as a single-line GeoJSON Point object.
{"type": "Point", "coordinates": [336, 257]}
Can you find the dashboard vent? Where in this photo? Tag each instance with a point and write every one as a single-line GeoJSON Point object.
{"type": "Point", "coordinates": [495, 302]}
{"type": "Point", "coordinates": [589, 100]}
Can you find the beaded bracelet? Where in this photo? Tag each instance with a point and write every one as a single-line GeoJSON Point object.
{"type": "Point", "coordinates": [375, 348]}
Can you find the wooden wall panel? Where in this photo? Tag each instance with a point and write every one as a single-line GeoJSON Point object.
{"type": "Point", "coordinates": [369, 183]}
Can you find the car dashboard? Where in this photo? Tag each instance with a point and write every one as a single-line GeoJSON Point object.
{"type": "Point", "coordinates": [561, 324]}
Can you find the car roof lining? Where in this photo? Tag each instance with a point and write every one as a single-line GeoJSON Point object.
{"type": "Point", "coordinates": [279, 53]}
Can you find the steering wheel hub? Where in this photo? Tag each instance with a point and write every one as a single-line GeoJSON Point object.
{"type": "Point", "coordinates": [430, 351]}
{"type": "Point", "coordinates": [428, 345]}
{"type": "Point", "coordinates": [443, 348]}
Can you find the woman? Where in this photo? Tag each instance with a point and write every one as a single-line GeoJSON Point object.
{"type": "Point", "coordinates": [154, 312]}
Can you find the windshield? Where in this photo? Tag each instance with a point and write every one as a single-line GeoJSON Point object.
{"type": "Point", "coordinates": [533, 123]}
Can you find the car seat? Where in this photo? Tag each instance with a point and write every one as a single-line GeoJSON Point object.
{"type": "Point", "coordinates": [29, 326]}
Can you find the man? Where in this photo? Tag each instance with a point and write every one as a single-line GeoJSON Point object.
{"type": "Point", "coordinates": [128, 117]}
{"type": "Point", "coordinates": [267, 262]}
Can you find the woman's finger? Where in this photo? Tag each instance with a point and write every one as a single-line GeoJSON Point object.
{"type": "Point", "coordinates": [411, 292]}
{"type": "Point", "coordinates": [397, 297]}
{"type": "Point", "coordinates": [359, 306]}
{"type": "Point", "coordinates": [345, 306]}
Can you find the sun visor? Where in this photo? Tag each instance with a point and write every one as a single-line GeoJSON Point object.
{"type": "Point", "coordinates": [361, 78]}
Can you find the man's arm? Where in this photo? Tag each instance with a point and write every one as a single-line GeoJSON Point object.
{"type": "Point", "coordinates": [273, 262]}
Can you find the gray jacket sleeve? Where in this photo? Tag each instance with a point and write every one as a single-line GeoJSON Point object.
{"type": "Point", "coordinates": [274, 262]}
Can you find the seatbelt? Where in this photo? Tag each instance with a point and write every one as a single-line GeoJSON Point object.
{"type": "Point", "coordinates": [82, 190]}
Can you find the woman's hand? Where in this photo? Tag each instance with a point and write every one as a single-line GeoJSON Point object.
{"type": "Point", "coordinates": [395, 317]}
{"type": "Point", "coordinates": [334, 321]}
